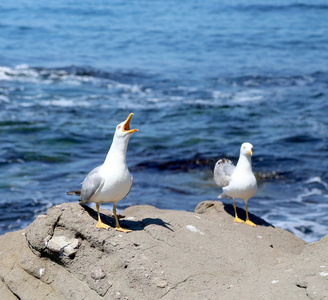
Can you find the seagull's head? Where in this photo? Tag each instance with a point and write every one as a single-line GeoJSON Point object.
{"type": "Point", "coordinates": [123, 129]}
{"type": "Point", "coordinates": [246, 149]}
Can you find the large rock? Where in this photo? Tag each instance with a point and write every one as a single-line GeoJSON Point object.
{"type": "Point", "coordinates": [168, 255]}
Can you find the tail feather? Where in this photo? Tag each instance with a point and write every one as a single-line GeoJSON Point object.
{"type": "Point", "coordinates": [74, 193]}
{"type": "Point", "coordinates": [223, 195]}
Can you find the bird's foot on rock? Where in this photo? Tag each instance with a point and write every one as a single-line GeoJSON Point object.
{"type": "Point", "coordinates": [238, 220]}
{"type": "Point", "coordinates": [250, 223]}
{"type": "Point", "coordinates": [122, 229]}
{"type": "Point", "coordinates": [102, 225]}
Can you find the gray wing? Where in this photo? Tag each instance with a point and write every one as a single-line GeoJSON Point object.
{"type": "Point", "coordinates": [222, 172]}
{"type": "Point", "coordinates": [91, 185]}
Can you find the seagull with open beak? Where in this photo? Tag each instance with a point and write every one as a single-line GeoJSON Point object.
{"type": "Point", "coordinates": [110, 182]}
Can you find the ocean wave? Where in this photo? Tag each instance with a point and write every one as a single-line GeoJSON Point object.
{"type": "Point", "coordinates": [307, 211]}
{"type": "Point", "coordinates": [317, 179]}
{"type": "Point", "coordinates": [267, 81]}
{"type": "Point", "coordinates": [4, 99]}
{"type": "Point", "coordinates": [309, 231]}
{"type": "Point", "coordinates": [140, 89]}
{"type": "Point", "coordinates": [72, 75]}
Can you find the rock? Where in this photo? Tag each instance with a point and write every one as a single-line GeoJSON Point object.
{"type": "Point", "coordinates": [62, 245]}
{"type": "Point", "coordinates": [162, 284]}
{"type": "Point", "coordinates": [98, 273]}
{"type": "Point", "coordinates": [168, 255]}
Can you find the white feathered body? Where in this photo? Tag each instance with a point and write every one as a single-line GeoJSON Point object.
{"type": "Point", "coordinates": [242, 182]}
{"type": "Point", "coordinates": [242, 185]}
{"type": "Point", "coordinates": [111, 181]}
{"type": "Point", "coordinates": [117, 184]}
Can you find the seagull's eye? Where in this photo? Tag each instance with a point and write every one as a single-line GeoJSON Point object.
{"type": "Point", "coordinates": [119, 127]}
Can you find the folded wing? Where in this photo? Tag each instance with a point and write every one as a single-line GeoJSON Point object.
{"type": "Point", "coordinates": [222, 172]}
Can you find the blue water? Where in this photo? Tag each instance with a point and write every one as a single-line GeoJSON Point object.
{"type": "Point", "coordinates": [200, 77]}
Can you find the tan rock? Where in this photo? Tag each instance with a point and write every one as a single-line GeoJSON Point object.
{"type": "Point", "coordinates": [168, 255]}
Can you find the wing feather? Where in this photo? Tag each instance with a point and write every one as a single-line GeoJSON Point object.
{"type": "Point", "coordinates": [90, 185]}
{"type": "Point", "coordinates": [222, 172]}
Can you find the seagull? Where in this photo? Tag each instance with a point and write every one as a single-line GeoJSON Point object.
{"type": "Point", "coordinates": [237, 181]}
{"type": "Point", "coordinates": [111, 181]}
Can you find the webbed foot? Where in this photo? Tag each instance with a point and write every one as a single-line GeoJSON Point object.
{"type": "Point", "coordinates": [122, 229]}
{"type": "Point", "coordinates": [250, 223]}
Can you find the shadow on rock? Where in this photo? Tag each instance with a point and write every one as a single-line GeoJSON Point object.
{"type": "Point", "coordinates": [128, 224]}
{"type": "Point", "coordinates": [242, 214]}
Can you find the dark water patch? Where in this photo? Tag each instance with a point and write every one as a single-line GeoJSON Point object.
{"type": "Point", "coordinates": [281, 8]}
{"type": "Point", "coordinates": [33, 156]}
{"type": "Point", "coordinates": [62, 142]}
{"type": "Point", "coordinates": [317, 95]}
{"type": "Point", "coordinates": [182, 165]}
{"type": "Point", "coordinates": [176, 190]}
{"type": "Point", "coordinates": [23, 125]}
{"type": "Point", "coordinates": [122, 76]}
{"type": "Point", "coordinates": [300, 139]}
{"type": "Point", "coordinates": [200, 164]}
{"type": "Point", "coordinates": [304, 229]}
{"type": "Point", "coordinates": [24, 28]}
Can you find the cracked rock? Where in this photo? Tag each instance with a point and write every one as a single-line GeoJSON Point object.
{"type": "Point", "coordinates": [63, 245]}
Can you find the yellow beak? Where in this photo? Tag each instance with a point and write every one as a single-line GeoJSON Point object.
{"type": "Point", "coordinates": [126, 126]}
{"type": "Point", "coordinates": [250, 152]}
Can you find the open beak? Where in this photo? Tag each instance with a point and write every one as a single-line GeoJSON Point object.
{"type": "Point", "coordinates": [126, 126]}
{"type": "Point", "coordinates": [250, 152]}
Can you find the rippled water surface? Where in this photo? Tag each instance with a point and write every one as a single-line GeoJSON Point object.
{"type": "Point", "coordinates": [201, 78]}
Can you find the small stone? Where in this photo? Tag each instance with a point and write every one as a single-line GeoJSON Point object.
{"type": "Point", "coordinates": [63, 245]}
{"type": "Point", "coordinates": [113, 243]}
{"type": "Point", "coordinates": [162, 284]}
{"type": "Point", "coordinates": [98, 273]}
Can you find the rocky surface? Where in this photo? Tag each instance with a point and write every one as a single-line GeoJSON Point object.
{"type": "Point", "coordinates": [168, 255]}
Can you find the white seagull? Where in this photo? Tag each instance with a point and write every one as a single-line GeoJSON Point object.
{"type": "Point", "coordinates": [111, 181]}
{"type": "Point", "coordinates": [237, 181]}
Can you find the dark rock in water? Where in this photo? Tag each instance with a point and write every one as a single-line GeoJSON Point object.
{"type": "Point", "coordinates": [168, 255]}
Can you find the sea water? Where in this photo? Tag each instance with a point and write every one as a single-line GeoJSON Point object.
{"type": "Point", "coordinates": [201, 79]}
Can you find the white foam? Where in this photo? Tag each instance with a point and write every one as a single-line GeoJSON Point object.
{"type": "Point", "coordinates": [220, 95]}
{"type": "Point", "coordinates": [20, 73]}
{"type": "Point", "coordinates": [22, 67]}
{"type": "Point", "coordinates": [244, 96]}
{"type": "Point", "coordinates": [317, 179]}
{"type": "Point", "coordinates": [308, 192]}
{"type": "Point", "coordinates": [248, 96]}
{"type": "Point", "coordinates": [4, 98]}
{"type": "Point", "coordinates": [26, 74]}
{"type": "Point", "coordinates": [295, 224]}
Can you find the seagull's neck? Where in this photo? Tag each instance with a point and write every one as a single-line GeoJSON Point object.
{"type": "Point", "coordinates": [117, 152]}
{"type": "Point", "coordinates": [244, 163]}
